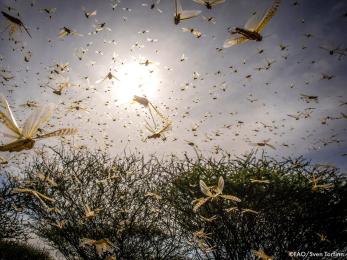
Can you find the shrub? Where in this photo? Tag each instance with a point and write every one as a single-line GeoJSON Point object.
{"type": "Point", "coordinates": [90, 206]}
{"type": "Point", "coordinates": [285, 206]}
{"type": "Point", "coordinates": [85, 198]}
{"type": "Point", "coordinates": [10, 218]}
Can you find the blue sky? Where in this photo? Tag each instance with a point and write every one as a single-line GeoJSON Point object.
{"type": "Point", "coordinates": [207, 110]}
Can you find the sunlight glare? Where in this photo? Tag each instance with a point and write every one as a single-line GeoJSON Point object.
{"type": "Point", "coordinates": [136, 79]}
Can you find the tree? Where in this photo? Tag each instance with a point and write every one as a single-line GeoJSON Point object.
{"type": "Point", "coordinates": [10, 218]}
{"type": "Point", "coordinates": [90, 206]}
{"type": "Point", "coordinates": [285, 206]}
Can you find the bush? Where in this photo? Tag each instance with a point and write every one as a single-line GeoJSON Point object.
{"type": "Point", "coordinates": [285, 206]}
{"type": "Point", "coordinates": [10, 217]}
{"type": "Point", "coordinates": [10, 250]}
{"type": "Point", "coordinates": [90, 206]}
{"type": "Point", "coordinates": [90, 198]}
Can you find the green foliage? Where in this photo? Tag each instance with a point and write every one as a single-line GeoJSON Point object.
{"type": "Point", "coordinates": [289, 213]}
{"type": "Point", "coordinates": [10, 250]}
{"type": "Point", "coordinates": [143, 209]}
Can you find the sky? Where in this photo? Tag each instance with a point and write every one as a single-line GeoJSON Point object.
{"type": "Point", "coordinates": [229, 99]}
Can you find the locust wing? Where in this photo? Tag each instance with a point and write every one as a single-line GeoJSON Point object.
{"type": "Point", "coordinates": [234, 41]}
{"type": "Point", "coordinates": [220, 186]}
{"type": "Point", "coordinates": [60, 132]}
{"type": "Point", "coordinates": [216, 2]}
{"type": "Point", "coordinates": [189, 14]}
{"type": "Point", "coordinates": [254, 21]}
{"type": "Point", "coordinates": [178, 7]}
{"type": "Point", "coordinates": [201, 2]}
{"type": "Point", "coordinates": [205, 189]}
{"type": "Point", "coordinates": [268, 15]}
{"type": "Point", "coordinates": [8, 119]}
{"type": "Point", "coordinates": [39, 117]}
{"type": "Point", "coordinates": [184, 14]}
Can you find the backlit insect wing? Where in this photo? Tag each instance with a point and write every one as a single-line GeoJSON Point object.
{"type": "Point", "coordinates": [201, 2]}
{"type": "Point", "coordinates": [178, 7]}
{"type": "Point", "coordinates": [157, 133]}
{"type": "Point", "coordinates": [205, 189]}
{"type": "Point", "coordinates": [268, 15]}
{"type": "Point", "coordinates": [216, 2]}
{"type": "Point", "coordinates": [8, 119]}
{"type": "Point", "coordinates": [89, 14]}
{"type": "Point", "coordinates": [220, 185]}
{"type": "Point", "coordinates": [60, 132]}
{"type": "Point", "coordinates": [76, 34]}
{"type": "Point", "coordinates": [159, 113]}
{"type": "Point", "coordinates": [189, 14]}
{"type": "Point", "coordinates": [231, 197]}
{"type": "Point", "coordinates": [39, 117]}
{"type": "Point", "coordinates": [167, 126]}
{"type": "Point", "coordinates": [259, 181]}
{"type": "Point", "coordinates": [100, 80]}
{"type": "Point", "coordinates": [184, 14]}
{"type": "Point", "coordinates": [193, 31]}
{"type": "Point", "coordinates": [67, 31]}
{"type": "Point", "coordinates": [63, 33]}
{"type": "Point", "coordinates": [254, 21]}
{"type": "Point", "coordinates": [234, 41]}
{"type": "Point", "coordinates": [149, 128]}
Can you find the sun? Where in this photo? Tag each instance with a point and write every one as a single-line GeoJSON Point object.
{"type": "Point", "coordinates": [135, 79]}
